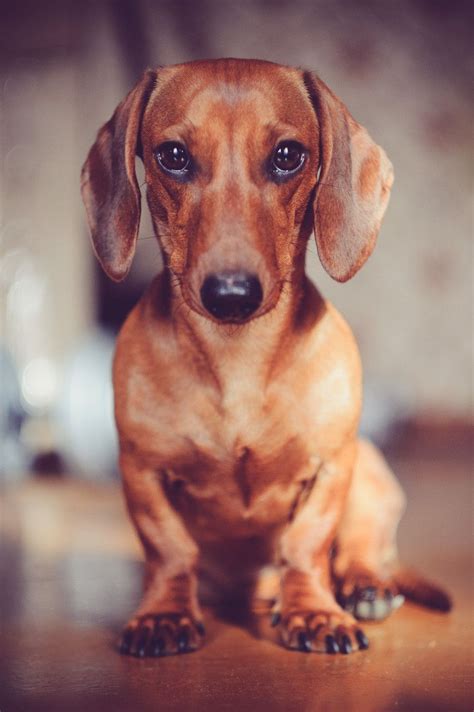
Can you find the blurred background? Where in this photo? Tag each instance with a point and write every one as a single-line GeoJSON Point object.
{"type": "Point", "coordinates": [404, 69]}
{"type": "Point", "coordinates": [69, 564]}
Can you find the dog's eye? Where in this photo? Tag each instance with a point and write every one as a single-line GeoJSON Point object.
{"type": "Point", "coordinates": [173, 156]}
{"type": "Point", "coordinates": [287, 157]}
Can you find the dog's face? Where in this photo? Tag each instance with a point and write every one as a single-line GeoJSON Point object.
{"type": "Point", "coordinates": [229, 167]}
{"type": "Point", "coordinates": [242, 159]}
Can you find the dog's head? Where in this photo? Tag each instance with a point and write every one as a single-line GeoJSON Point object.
{"type": "Point", "coordinates": [243, 159]}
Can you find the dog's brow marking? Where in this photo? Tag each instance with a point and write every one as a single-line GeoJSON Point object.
{"type": "Point", "coordinates": [233, 92]}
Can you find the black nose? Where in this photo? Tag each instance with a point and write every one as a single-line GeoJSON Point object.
{"type": "Point", "coordinates": [231, 296]}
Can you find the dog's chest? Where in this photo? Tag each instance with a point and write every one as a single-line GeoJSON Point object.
{"type": "Point", "coordinates": [245, 491]}
{"type": "Point", "coordinates": [240, 451]}
{"type": "Point", "coordinates": [247, 465]}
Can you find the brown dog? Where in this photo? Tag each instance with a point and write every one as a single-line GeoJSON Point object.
{"type": "Point", "coordinates": [237, 387]}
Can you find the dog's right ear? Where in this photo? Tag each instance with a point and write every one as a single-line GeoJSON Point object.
{"type": "Point", "coordinates": [109, 185]}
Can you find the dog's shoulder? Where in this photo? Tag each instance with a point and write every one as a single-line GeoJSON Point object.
{"type": "Point", "coordinates": [323, 339]}
{"type": "Point", "coordinates": [334, 356]}
{"type": "Point", "coordinates": [147, 332]}
{"type": "Point", "coordinates": [146, 352]}
{"type": "Point", "coordinates": [325, 373]}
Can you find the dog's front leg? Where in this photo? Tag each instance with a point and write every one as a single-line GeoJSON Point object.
{"type": "Point", "coordinates": [168, 619]}
{"type": "Point", "coordinates": [309, 617]}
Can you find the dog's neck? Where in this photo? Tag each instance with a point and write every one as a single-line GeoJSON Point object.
{"type": "Point", "coordinates": [249, 351]}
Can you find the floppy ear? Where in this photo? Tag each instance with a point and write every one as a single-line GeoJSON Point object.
{"type": "Point", "coordinates": [109, 185]}
{"type": "Point", "coordinates": [353, 188]}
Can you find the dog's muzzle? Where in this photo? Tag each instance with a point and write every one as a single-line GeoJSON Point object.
{"type": "Point", "coordinates": [231, 296]}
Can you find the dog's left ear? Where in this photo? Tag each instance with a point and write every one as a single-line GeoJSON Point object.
{"type": "Point", "coordinates": [353, 187]}
{"type": "Point", "coordinates": [109, 185]}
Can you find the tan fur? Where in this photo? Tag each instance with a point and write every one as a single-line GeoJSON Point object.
{"type": "Point", "coordinates": [238, 443]}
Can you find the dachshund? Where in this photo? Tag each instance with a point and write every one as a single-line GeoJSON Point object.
{"type": "Point", "coordinates": [237, 386]}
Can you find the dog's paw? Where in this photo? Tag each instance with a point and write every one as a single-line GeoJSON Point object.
{"type": "Point", "coordinates": [154, 635]}
{"type": "Point", "coordinates": [367, 597]}
{"type": "Point", "coordinates": [320, 632]}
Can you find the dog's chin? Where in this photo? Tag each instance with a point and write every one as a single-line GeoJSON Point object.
{"type": "Point", "coordinates": [230, 322]}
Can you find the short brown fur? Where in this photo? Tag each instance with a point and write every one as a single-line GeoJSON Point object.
{"type": "Point", "coordinates": [238, 443]}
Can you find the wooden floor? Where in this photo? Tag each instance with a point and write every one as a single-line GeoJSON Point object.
{"type": "Point", "coordinates": [70, 575]}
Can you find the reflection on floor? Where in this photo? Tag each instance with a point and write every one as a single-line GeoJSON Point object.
{"type": "Point", "coordinates": [70, 574]}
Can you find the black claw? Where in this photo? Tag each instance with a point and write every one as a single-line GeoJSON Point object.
{"type": "Point", "coordinates": [126, 641]}
{"type": "Point", "coordinates": [276, 618]}
{"type": "Point", "coordinates": [345, 644]}
{"type": "Point", "coordinates": [331, 645]}
{"type": "Point", "coordinates": [157, 645]}
{"type": "Point", "coordinates": [183, 641]}
{"type": "Point", "coordinates": [362, 639]}
{"type": "Point", "coordinates": [349, 602]}
{"type": "Point", "coordinates": [140, 648]}
{"type": "Point", "coordinates": [369, 593]}
{"type": "Point", "coordinates": [157, 642]}
{"type": "Point", "coordinates": [144, 641]}
{"type": "Point", "coordinates": [304, 643]}
{"type": "Point", "coordinates": [341, 599]}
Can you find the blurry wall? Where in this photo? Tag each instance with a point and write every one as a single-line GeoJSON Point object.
{"type": "Point", "coordinates": [403, 69]}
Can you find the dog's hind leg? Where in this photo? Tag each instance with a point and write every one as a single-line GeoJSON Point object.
{"type": "Point", "coordinates": [366, 558]}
